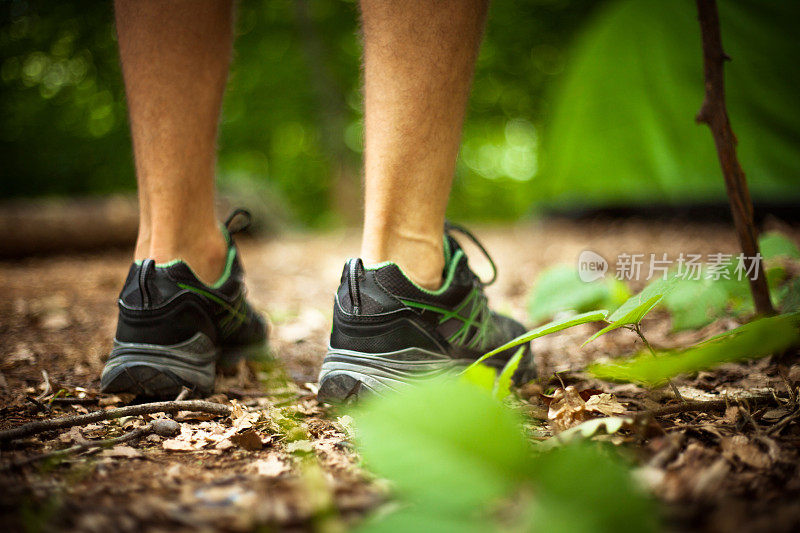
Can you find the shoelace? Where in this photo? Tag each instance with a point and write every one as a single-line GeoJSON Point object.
{"type": "Point", "coordinates": [450, 227]}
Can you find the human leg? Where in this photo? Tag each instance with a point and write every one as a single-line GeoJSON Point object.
{"type": "Point", "coordinates": [419, 57]}
{"type": "Point", "coordinates": [175, 57]}
{"type": "Point", "coordinates": [413, 308]}
{"type": "Point", "coordinates": [182, 307]}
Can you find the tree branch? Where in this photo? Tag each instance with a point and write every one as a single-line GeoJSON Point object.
{"type": "Point", "coordinates": [162, 427]}
{"type": "Point", "coordinates": [40, 426]}
{"type": "Point", "coordinates": [714, 113]}
{"type": "Point", "coordinates": [706, 406]}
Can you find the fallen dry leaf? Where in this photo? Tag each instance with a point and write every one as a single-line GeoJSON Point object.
{"type": "Point", "coordinates": [748, 452]}
{"type": "Point", "coordinates": [771, 415]}
{"type": "Point", "coordinates": [567, 408]}
{"type": "Point", "coordinates": [249, 440]}
{"type": "Point", "coordinates": [605, 404]}
{"type": "Point", "coordinates": [272, 466]}
{"type": "Point", "coordinates": [707, 481]}
{"type": "Point", "coordinates": [122, 451]}
{"type": "Point", "coordinates": [237, 410]}
{"type": "Point", "coordinates": [105, 401]}
{"type": "Point", "coordinates": [177, 445]}
{"type": "Point", "coordinates": [224, 444]}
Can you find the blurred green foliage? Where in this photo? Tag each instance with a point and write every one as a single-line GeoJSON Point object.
{"type": "Point", "coordinates": [623, 130]}
{"type": "Point", "coordinates": [459, 461]}
{"type": "Point", "coordinates": [292, 114]}
{"type": "Point", "coordinates": [560, 289]}
{"type": "Point", "coordinates": [574, 102]}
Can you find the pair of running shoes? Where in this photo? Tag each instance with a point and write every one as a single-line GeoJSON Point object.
{"type": "Point", "coordinates": [388, 333]}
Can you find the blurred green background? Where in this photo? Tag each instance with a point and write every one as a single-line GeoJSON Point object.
{"type": "Point", "coordinates": [575, 104]}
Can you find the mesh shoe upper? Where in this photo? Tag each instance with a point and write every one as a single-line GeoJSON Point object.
{"type": "Point", "coordinates": [168, 304]}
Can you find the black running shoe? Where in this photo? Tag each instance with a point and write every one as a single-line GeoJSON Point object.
{"type": "Point", "coordinates": [172, 328]}
{"type": "Point", "coordinates": [388, 332]}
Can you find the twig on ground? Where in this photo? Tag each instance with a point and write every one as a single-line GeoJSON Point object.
{"type": "Point", "coordinates": [40, 426]}
{"type": "Point", "coordinates": [700, 406]}
{"type": "Point", "coordinates": [70, 400]}
{"type": "Point", "coordinates": [162, 427]}
{"type": "Point", "coordinates": [784, 374]}
{"type": "Point", "coordinates": [48, 387]}
{"type": "Point", "coordinates": [38, 404]}
{"type": "Point", "coordinates": [785, 421]}
{"type": "Point", "coordinates": [183, 394]}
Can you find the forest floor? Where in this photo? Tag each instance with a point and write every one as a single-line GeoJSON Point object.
{"type": "Point", "coordinates": [734, 470]}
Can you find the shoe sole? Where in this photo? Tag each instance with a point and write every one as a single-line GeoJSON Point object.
{"type": "Point", "coordinates": [160, 371]}
{"type": "Point", "coordinates": [348, 375]}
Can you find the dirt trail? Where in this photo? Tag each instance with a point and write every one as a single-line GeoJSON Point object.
{"type": "Point", "coordinates": [57, 315]}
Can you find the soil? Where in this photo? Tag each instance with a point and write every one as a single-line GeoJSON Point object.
{"type": "Point", "coordinates": [285, 462]}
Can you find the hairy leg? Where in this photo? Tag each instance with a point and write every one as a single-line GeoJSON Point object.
{"type": "Point", "coordinates": [175, 58]}
{"type": "Point", "coordinates": [419, 56]}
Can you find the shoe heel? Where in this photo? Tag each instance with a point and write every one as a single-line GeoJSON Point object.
{"type": "Point", "coordinates": [349, 375]}
{"type": "Point", "coordinates": [159, 371]}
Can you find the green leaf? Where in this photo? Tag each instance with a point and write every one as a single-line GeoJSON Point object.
{"type": "Point", "coordinates": [502, 386]}
{"type": "Point", "coordinates": [789, 296]}
{"type": "Point", "coordinates": [445, 444]}
{"type": "Point", "coordinates": [425, 519]}
{"type": "Point", "coordinates": [620, 134]}
{"type": "Point", "coordinates": [584, 487]}
{"type": "Point", "coordinates": [546, 329]}
{"type": "Point", "coordinates": [560, 289]}
{"type": "Point", "coordinates": [457, 458]}
{"type": "Point", "coordinates": [633, 316]}
{"type": "Point", "coordinates": [634, 310]}
{"type": "Point", "coordinates": [655, 289]}
{"type": "Point", "coordinates": [774, 245]}
{"type": "Point", "coordinates": [694, 304]}
{"type": "Point", "coordinates": [480, 375]}
{"type": "Point", "coordinates": [756, 339]}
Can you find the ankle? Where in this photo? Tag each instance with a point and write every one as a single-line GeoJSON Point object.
{"type": "Point", "coordinates": [421, 257]}
{"type": "Point", "coordinates": [206, 255]}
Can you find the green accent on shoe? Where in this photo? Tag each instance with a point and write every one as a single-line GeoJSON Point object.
{"type": "Point", "coordinates": [376, 266]}
{"type": "Point", "coordinates": [460, 335]}
{"type": "Point", "coordinates": [451, 271]}
{"type": "Point", "coordinates": [476, 318]}
{"type": "Point", "coordinates": [233, 311]}
{"type": "Point", "coordinates": [172, 263]}
{"type": "Point", "coordinates": [227, 272]}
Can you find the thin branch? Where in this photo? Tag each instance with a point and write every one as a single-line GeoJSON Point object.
{"type": "Point", "coordinates": [69, 400]}
{"type": "Point", "coordinates": [48, 387]}
{"type": "Point", "coordinates": [778, 427]}
{"type": "Point", "coordinates": [162, 427]}
{"type": "Point", "coordinates": [714, 113]}
{"type": "Point", "coordinates": [702, 406]}
{"type": "Point", "coordinates": [40, 426]}
{"type": "Point", "coordinates": [183, 394]}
